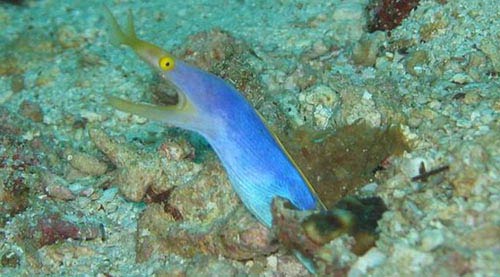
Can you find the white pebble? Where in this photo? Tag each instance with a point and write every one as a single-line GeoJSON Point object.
{"type": "Point", "coordinates": [371, 259]}
{"type": "Point", "coordinates": [432, 239]}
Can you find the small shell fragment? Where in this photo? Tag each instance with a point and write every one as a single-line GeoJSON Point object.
{"type": "Point", "coordinates": [56, 187]}
{"type": "Point", "coordinates": [59, 192]}
{"type": "Point", "coordinates": [86, 163]}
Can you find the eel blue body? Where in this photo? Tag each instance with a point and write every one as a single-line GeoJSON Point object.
{"type": "Point", "coordinates": [258, 166]}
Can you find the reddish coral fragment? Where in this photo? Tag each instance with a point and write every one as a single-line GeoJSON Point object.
{"type": "Point", "coordinates": [388, 14]}
{"type": "Point", "coordinates": [52, 229]}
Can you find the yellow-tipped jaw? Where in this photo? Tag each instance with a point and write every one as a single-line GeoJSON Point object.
{"type": "Point", "coordinates": [180, 114]}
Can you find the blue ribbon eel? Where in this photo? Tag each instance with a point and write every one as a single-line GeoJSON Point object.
{"type": "Point", "coordinates": [258, 166]}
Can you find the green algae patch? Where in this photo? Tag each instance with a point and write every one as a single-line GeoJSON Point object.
{"type": "Point", "coordinates": [338, 163]}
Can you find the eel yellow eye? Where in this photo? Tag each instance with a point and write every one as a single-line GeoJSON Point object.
{"type": "Point", "coordinates": [166, 63]}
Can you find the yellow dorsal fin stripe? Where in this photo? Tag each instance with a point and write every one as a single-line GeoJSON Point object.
{"type": "Point", "coordinates": [294, 163]}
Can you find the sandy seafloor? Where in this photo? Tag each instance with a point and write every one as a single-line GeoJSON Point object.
{"type": "Point", "coordinates": [436, 76]}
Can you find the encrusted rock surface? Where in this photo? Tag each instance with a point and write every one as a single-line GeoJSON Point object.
{"type": "Point", "coordinates": [157, 201]}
